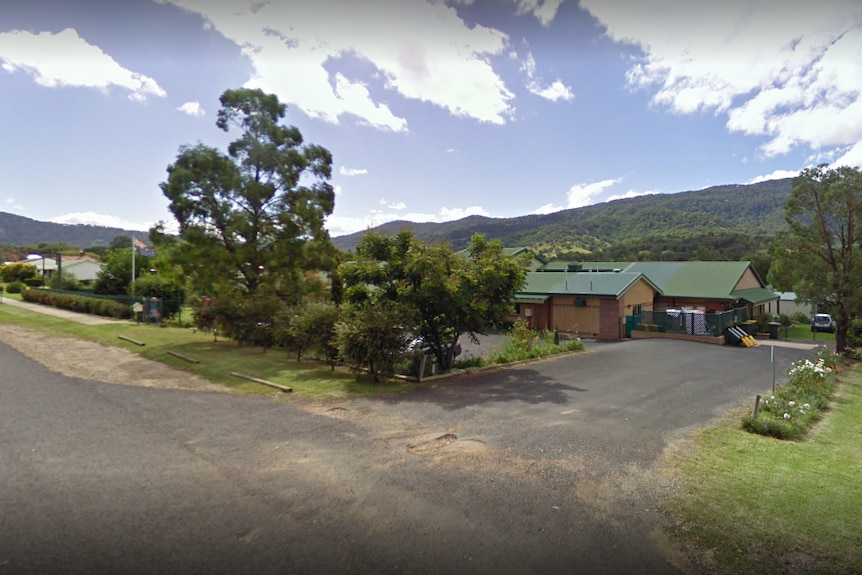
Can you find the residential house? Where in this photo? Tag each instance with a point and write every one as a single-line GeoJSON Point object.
{"type": "Point", "coordinates": [788, 304]}
{"type": "Point", "coordinates": [595, 298]}
{"type": "Point", "coordinates": [85, 268]}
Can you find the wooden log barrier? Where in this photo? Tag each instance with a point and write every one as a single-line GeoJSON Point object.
{"type": "Point", "coordinates": [134, 341]}
{"type": "Point", "coordinates": [183, 357]}
{"type": "Point", "coordinates": [282, 388]}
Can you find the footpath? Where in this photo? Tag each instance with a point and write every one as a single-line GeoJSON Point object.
{"type": "Point", "coordinates": [81, 318]}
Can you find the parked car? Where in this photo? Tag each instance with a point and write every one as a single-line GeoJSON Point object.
{"type": "Point", "coordinates": [823, 322]}
{"type": "Point", "coordinates": [418, 343]}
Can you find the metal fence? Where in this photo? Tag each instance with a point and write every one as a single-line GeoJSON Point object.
{"type": "Point", "coordinates": [691, 322]}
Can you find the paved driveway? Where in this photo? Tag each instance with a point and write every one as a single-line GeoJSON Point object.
{"type": "Point", "coordinates": [552, 467]}
{"type": "Point", "coordinates": [83, 318]}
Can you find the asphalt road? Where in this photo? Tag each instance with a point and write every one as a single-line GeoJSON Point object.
{"type": "Point", "coordinates": [551, 467]}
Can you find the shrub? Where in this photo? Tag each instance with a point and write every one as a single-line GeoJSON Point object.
{"type": "Point", "coordinates": [800, 318]}
{"type": "Point", "coordinates": [520, 346]}
{"type": "Point", "coordinates": [777, 428]}
{"type": "Point", "coordinates": [171, 298]}
{"type": "Point", "coordinates": [16, 287]}
{"type": "Point", "coordinates": [468, 362]}
{"type": "Point", "coordinates": [763, 322]}
{"type": "Point", "coordinates": [82, 304]}
{"type": "Point", "coordinates": [17, 272]}
{"type": "Point", "coordinates": [795, 406]}
{"type": "Point", "coordinates": [38, 281]}
{"type": "Point", "coordinates": [312, 327]}
{"type": "Point", "coordinates": [369, 338]}
{"type": "Point", "coordinates": [854, 334]}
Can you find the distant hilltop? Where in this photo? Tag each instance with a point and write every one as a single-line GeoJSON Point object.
{"type": "Point", "coordinates": [743, 210]}
{"type": "Point", "coordinates": [20, 231]}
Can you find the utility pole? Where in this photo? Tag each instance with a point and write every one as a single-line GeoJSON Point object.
{"type": "Point", "coordinates": [58, 283]}
{"type": "Point", "coordinates": [133, 266]}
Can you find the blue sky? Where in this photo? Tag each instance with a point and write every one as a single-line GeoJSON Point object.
{"type": "Point", "coordinates": [433, 109]}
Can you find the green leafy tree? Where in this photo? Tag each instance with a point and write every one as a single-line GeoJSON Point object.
{"type": "Point", "coordinates": [247, 217]}
{"type": "Point", "coordinates": [442, 295]}
{"type": "Point", "coordinates": [115, 277]}
{"type": "Point", "coordinates": [171, 296]}
{"type": "Point", "coordinates": [313, 328]}
{"type": "Point", "coordinates": [17, 272]}
{"type": "Point", "coordinates": [371, 337]}
{"type": "Point", "coordinates": [819, 255]}
{"type": "Point", "coordinates": [69, 281]}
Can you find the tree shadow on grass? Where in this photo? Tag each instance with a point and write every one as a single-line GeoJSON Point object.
{"type": "Point", "coordinates": [525, 385]}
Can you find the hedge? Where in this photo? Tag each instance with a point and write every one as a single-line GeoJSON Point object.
{"type": "Point", "coordinates": [82, 304]}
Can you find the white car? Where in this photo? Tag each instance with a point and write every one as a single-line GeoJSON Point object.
{"type": "Point", "coordinates": [823, 322]}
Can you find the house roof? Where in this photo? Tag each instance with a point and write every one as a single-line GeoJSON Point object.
{"type": "Point", "coordinates": [584, 266]}
{"type": "Point", "coordinates": [695, 279]}
{"type": "Point", "coordinates": [755, 295]}
{"type": "Point", "coordinates": [706, 280]}
{"type": "Point", "coordinates": [582, 284]}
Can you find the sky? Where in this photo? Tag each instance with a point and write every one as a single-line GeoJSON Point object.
{"type": "Point", "coordinates": [433, 109]}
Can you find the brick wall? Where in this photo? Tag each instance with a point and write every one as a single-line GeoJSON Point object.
{"type": "Point", "coordinates": [609, 319]}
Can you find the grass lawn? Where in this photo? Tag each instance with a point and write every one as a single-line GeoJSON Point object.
{"type": "Point", "coordinates": [803, 332]}
{"type": "Point", "coordinates": [217, 359]}
{"type": "Point", "coordinates": [753, 504]}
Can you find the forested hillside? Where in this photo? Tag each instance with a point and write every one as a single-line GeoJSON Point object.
{"type": "Point", "coordinates": [20, 231]}
{"type": "Point", "coordinates": [721, 222]}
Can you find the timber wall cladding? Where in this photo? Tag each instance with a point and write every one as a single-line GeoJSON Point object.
{"type": "Point", "coordinates": [571, 318]}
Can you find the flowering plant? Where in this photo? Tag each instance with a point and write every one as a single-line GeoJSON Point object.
{"type": "Point", "coordinates": [793, 407]}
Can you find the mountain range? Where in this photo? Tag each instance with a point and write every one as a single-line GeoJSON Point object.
{"type": "Point", "coordinates": [720, 222]}
{"type": "Point", "coordinates": [25, 232]}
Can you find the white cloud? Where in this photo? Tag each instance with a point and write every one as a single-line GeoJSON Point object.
{"type": "Point", "coordinates": [851, 157]}
{"type": "Point", "coordinates": [13, 204]}
{"type": "Point", "coordinates": [451, 150]}
{"type": "Point", "coordinates": [392, 206]}
{"type": "Point", "coordinates": [544, 10]}
{"type": "Point", "coordinates": [192, 108]}
{"type": "Point", "coordinates": [579, 195]}
{"type": "Point", "coordinates": [630, 194]}
{"type": "Point", "coordinates": [553, 92]}
{"type": "Point", "coordinates": [95, 219]}
{"type": "Point", "coordinates": [776, 175]}
{"type": "Point", "coordinates": [337, 190]}
{"type": "Point", "coordinates": [66, 59]}
{"type": "Point", "coordinates": [352, 171]}
{"type": "Point", "coordinates": [448, 215]}
{"type": "Point", "coordinates": [787, 71]}
{"type": "Point", "coordinates": [421, 51]}
{"type": "Point", "coordinates": [556, 91]}
{"type": "Point", "coordinates": [585, 194]}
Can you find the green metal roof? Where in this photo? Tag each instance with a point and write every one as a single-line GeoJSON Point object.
{"type": "Point", "coordinates": [755, 295]}
{"type": "Point", "coordinates": [582, 284]}
{"type": "Point", "coordinates": [585, 266]}
{"type": "Point", "coordinates": [707, 280]}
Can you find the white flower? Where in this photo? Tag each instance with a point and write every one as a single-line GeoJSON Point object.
{"type": "Point", "coordinates": [786, 416]}
{"type": "Point", "coordinates": [792, 404]}
{"type": "Point", "coordinates": [807, 406]}
{"type": "Point", "coordinates": [802, 411]}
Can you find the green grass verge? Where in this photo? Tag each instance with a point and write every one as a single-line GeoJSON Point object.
{"type": "Point", "coordinates": [803, 333]}
{"type": "Point", "coordinates": [218, 359]}
{"type": "Point", "coordinates": [754, 504]}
